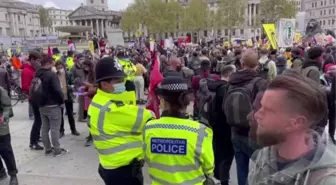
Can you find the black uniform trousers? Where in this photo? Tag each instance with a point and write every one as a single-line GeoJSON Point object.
{"type": "Point", "coordinates": [6, 153]}
{"type": "Point", "coordinates": [121, 176]}
{"type": "Point", "coordinates": [69, 109]}
{"type": "Point", "coordinates": [36, 128]}
{"type": "Point", "coordinates": [223, 153]}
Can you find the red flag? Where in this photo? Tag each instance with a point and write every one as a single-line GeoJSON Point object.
{"type": "Point", "coordinates": [49, 51]}
{"type": "Point", "coordinates": [153, 102]}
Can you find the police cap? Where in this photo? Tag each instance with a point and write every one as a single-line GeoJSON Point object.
{"type": "Point", "coordinates": [108, 68]}
{"type": "Point", "coordinates": [172, 84]}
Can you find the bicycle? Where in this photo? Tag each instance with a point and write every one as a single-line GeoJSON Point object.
{"type": "Point", "coordinates": [17, 94]}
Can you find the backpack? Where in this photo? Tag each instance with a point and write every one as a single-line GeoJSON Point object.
{"type": "Point", "coordinates": [263, 69]}
{"type": "Point", "coordinates": [238, 103]}
{"type": "Point", "coordinates": [203, 94]}
{"type": "Point", "coordinates": [211, 110]}
{"type": "Point", "coordinates": [36, 91]}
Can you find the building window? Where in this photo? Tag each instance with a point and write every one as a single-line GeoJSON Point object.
{"type": "Point", "coordinates": [333, 22]}
{"type": "Point", "coordinates": [241, 31]}
{"type": "Point", "coordinates": [91, 1]}
{"type": "Point", "coordinates": [233, 32]}
{"type": "Point", "coordinates": [6, 17]}
{"type": "Point", "coordinates": [321, 12]}
{"type": "Point", "coordinates": [103, 9]}
{"type": "Point", "coordinates": [321, 3]}
{"type": "Point", "coordinates": [329, 22]}
{"type": "Point", "coordinates": [226, 32]}
{"type": "Point", "coordinates": [323, 22]}
{"type": "Point", "coordinates": [102, 1]}
{"type": "Point", "coordinates": [0, 31]}
{"type": "Point", "coordinates": [205, 33]}
{"type": "Point", "coordinates": [8, 32]}
{"type": "Point", "coordinates": [333, 11]}
{"type": "Point", "coordinates": [325, 12]}
{"type": "Point", "coordinates": [329, 11]}
{"type": "Point", "coordinates": [19, 18]}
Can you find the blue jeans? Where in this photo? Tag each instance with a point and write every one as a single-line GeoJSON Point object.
{"type": "Point", "coordinates": [242, 152]}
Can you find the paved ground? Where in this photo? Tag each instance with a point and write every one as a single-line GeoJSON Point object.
{"type": "Point", "coordinates": [79, 167]}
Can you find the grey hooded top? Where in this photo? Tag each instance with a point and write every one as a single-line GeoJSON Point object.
{"type": "Point", "coordinates": [317, 167]}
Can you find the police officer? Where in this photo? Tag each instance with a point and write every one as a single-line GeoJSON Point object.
{"type": "Point", "coordinates": [56, 54]}
{"type": "Point", "coordinates": [177, 149]}
{"type": "Point", "coordinates": [129, 69]}
{"type": "Point", "coordinates": [116, 126]}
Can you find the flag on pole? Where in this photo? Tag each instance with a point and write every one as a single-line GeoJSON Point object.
{"type": "Point", "coordinates": [49, 51]}
{"type": "Point", "coordinates": [156, 77]}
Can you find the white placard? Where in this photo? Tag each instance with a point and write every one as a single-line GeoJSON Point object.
{"type": "Point", "coordinates": [286, 32]}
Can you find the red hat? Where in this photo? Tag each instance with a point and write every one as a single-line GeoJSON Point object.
{"type": "Point", "coordinates": [327, 67]}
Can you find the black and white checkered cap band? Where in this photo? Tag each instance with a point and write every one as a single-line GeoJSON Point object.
{"type": "Point", "coordinates": [175, 87]}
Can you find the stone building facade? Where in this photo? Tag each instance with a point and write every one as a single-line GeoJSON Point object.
{"type": "Point", "coordinates": [19, 19]}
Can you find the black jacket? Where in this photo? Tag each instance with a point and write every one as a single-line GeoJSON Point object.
{"type": "Point", "coordinates": [241, 79]}
{"type": "Point", "coordinates": [51, 86]}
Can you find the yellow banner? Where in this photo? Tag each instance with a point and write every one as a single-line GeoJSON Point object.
{"type": "Point", "coordinates": [298, 37]}
{"type": "Point", "coordinates": [91, 46]}
{"type": "Point", "coordinates": [9, 52]}
{"type": "Point", "coordinates": [271, 34]}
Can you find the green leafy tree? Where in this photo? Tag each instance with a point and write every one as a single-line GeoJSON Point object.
{"type": "Point", "coordinates": [129, 22]}
{"type": "Point", "coordinates": [195, 16]}
{"type": "Point", "coordinates": [45, 20]}
{"type": "Point", "coordinates": [157, 16]}
{"type": "Point", "coordinates": [273, 10]}
{"type": "Point", "coordinates": [231, 14]}
{"type": "Point", "coordinates": [162, 16]}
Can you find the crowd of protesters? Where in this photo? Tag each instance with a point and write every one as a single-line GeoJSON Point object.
{"type": "Point", "coordinates": [267, 106]}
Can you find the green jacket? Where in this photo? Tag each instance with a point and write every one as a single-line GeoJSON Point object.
{"type": "Point", "coordinates": [5, 110]}
{"type": "Point", "coordinates": [318, 167]}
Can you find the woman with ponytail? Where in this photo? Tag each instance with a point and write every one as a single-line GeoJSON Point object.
{"type": "Point", "coordinates": [177, 149]}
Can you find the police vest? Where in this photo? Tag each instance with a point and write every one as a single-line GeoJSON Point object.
{"type": "Point", "coordinates": [56, 57]}
{"type": "Point", "coordinates": [178, 151]}
{"type": "Point", "coordinates": [70, 63]}
{"type": "Point", "coordinates": [129, 68]}
{"type": "Point", "coordinates": [116, 129]}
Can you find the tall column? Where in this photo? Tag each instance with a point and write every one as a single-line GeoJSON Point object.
{"type": "Point", "coordinates": [97, 27]}
{"type": "Point", "coordinates": [250, 14]}
{"type": "Point", "coordinates": [254, 14]}
{"type": "Point", "coordinates": [102, 27]}
{"type": "Point", "coordinates": [91, 23]}
{"type": "Point", "coordinates": [26, 31]}
{"type": "Point", "coordinates": [86, 33]}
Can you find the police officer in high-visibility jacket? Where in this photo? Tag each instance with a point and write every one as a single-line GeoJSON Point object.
{"type": "Point", "coordinates": [56, 54]}
{"type": "Point", "coordinates": [129, 69]}
{"type": "Point", "coordinates": [177, 149]}
{"type": "Point", "coordinates": [70, 60]}
{"type": "Point", "coordinates": [116, 127]}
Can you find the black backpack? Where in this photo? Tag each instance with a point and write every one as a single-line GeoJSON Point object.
{"type": "Point", "coordinates": [210, 109]}
{"type": "Point", "coordinates": [36, 92]}
{"type": "Point", "coordinates": [238, 103]}
{"type": "Point", "coordinates": [263, 69]}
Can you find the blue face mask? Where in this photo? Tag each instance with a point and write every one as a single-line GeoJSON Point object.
{"type": "Point", "coordinates": [119, 88]}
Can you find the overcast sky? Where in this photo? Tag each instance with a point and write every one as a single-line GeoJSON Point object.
{"type": "Point", "coordinates": [73, 4]}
